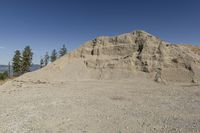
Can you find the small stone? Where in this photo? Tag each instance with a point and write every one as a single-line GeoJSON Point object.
{"type": "Point", "coordinates": [194, 81]}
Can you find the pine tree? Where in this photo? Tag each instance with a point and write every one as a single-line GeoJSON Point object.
{"type": "Point", "coordinates": [46, 59]}
{"type": "Point", "coordinates": [26, 59]}
{"type": "Point", "coordinates": [41, 63]}
{"type": "Point", "coordinates": [53, 55]}
{"type": "Point", "coordinates": [63, 51]}
{"type": "Point", "coordinates": [16, 63]}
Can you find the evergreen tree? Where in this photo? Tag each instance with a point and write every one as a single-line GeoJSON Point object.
{"type": "Point", "coordinates": [16, 63]}
{"type": "Point", "coordinates": [26, 59]}
{"type": "Point", "coordinates": [63, 51]}
{"type": "Point", "coordinates": [41, 63]}
{"type": "Point", "coordinates": [46, 59]}
{"type": "Point", "coordinates": [53, 55]}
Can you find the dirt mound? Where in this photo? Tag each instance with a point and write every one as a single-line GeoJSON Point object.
{"type": "Point", "coordinates": [123, 57]}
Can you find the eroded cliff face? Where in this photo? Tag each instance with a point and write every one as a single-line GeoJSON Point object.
{"type": "Point", "coordinates": [125, 57]}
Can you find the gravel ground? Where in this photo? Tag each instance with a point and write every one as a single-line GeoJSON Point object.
{"type": "Point", "coordinates": [136, 106]}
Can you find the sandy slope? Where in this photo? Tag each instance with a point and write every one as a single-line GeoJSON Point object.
{"type": "Point", "coordinates": [99, 106]}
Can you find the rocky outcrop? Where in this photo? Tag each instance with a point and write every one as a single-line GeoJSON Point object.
{"type": "Point", "coordinates": [141, 52]}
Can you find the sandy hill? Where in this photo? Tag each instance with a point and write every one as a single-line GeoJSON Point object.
{"type": "Point", "coordinates": [124, 57]}
{"type": "Point", "coordinates": [120, 95]}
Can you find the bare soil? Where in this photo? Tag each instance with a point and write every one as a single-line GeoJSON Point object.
{"type": "Point", "coordinates": [95, 106]}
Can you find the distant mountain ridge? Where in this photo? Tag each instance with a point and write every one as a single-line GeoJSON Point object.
{"type": "Point", "coordinates": [5, 68]}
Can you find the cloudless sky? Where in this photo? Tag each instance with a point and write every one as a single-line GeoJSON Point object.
{"type": "Point", "coordinates": [48, 24]}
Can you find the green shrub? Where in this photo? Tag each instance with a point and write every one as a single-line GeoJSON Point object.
{"type": "Point", "coordinates": [4, 75]}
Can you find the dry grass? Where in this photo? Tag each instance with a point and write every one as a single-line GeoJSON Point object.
{"type": "Point", "coordinates": [2, 82]}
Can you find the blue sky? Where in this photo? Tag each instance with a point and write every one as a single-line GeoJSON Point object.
{"type": "Point", "coordinates": [48, 24]}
